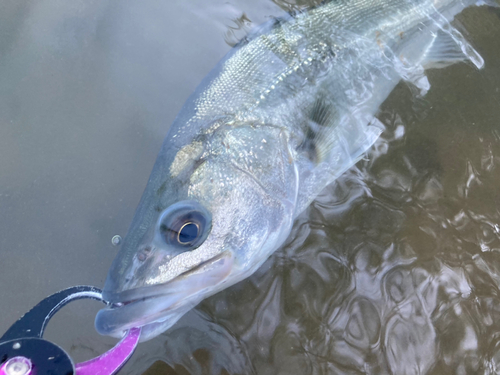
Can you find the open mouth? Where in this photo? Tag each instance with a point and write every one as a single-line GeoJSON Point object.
{"type": "Point", "coordinates": [160, 306]}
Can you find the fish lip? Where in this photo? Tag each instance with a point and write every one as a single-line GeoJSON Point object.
{"type": "Point", "coordinates": [128, 303]}
{"type": "Point", "coordinates": [162, 302]}
{"type": "Point", "coordinates": [116, 300]}
{"type": "Point", "coordinates": [114, 321]}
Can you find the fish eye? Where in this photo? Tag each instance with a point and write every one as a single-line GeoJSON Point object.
{"type": "Point", "coordinates": [185, 225]}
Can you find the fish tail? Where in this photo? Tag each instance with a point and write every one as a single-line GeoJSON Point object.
{"type": "Point", "coordinates": [491, 3]}
{"type": "Point", "coordinates": [449, 45]}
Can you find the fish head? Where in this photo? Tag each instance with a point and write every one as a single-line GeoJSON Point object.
{"type": "Point", "coordinates": [193, 234]}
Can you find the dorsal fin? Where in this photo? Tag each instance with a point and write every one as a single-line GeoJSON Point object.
{"type": "Point", "coordinates": [244, 30]}
{"type": "Point", "coordinates": [238, 33]}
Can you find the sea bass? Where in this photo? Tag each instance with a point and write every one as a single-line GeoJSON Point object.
{"type": "Point", "coordinates": [286, 112]}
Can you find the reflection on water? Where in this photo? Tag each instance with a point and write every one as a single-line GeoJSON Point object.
{"type": "Point", "coordinates": [395, 268]}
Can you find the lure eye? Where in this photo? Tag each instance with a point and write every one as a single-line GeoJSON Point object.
{"type": "Point", "coordinates": [185, 225]}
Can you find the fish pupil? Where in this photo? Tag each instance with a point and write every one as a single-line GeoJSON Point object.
{"type": "Point", "coordinates": [184, 225]}
{"type": "Point", "coordinates": [188, 233]}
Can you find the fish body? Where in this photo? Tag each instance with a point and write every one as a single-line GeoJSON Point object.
{"type": "Point", "coordinates": [286, 112]}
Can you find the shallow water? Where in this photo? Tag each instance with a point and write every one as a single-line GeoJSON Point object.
{"type": "Point", "coordinates": [395, 268]}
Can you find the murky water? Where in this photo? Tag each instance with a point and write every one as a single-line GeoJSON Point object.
{"type": "Point", "coordinates": [394, 269]}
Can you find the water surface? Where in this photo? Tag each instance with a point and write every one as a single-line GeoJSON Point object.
{"type": "Point", "coordinates": [395, 268]}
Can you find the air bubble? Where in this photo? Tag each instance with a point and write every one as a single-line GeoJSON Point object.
{"type": "Point", "coordinates": [116, 240]}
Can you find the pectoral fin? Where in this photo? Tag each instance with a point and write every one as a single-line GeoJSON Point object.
{"type": "Point", "coordinates": [353, 137]}
{"type": "Point", "coordinates": [320, 130]}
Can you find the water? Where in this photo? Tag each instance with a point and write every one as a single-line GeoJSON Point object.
{"type": "Point", "coordinates": [394, 269]}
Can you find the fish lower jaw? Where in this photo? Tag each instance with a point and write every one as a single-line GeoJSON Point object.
{"type": "Point", "coordinates": [163, 305]}
{"type": "Point", "coordinates": [115, 321]}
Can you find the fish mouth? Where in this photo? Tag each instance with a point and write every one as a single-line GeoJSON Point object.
{"type": "Point", "coordinates": [156, 308]}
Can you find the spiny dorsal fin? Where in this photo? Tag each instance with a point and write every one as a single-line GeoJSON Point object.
{"type": "Point", "coordinates": [238, 32]}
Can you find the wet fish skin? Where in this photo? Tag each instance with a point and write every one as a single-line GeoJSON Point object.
{"type": "Point", "coordinates": [285, 113]}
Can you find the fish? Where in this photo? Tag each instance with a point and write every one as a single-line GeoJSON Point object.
{"type": "Point", "coordinates": [287, 111]}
